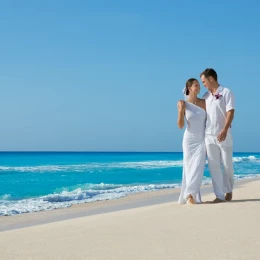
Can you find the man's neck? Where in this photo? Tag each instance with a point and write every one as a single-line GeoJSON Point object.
{"type": "Point", "coordinates": [214, 89]}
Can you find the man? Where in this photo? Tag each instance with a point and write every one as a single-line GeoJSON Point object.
{"type": "Point", "coordinates": [220, 106]}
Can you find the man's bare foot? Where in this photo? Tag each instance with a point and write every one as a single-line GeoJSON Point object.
{"type": "Point", "coordinates": [190, 200]}
{"type": "Point", "coordinates": [217, 200]}
{"type": "Point", "coordinates": [228, 196]}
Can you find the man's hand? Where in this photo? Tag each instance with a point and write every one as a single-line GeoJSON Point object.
{"type": "Point", "coordinates": [222, 136]}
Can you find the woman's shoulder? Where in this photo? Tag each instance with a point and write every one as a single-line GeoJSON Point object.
{"type": "Point", "coordinates": [202, 103]}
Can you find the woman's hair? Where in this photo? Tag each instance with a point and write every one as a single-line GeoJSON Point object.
{"type": "Point", "coordinates": [189, 83]}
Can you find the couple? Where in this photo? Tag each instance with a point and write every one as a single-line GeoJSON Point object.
{"type": "Point", "coordinates": [208, 133]}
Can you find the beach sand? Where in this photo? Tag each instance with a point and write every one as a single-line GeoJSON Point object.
{"type": "Point", "coordinates": [142, 230]}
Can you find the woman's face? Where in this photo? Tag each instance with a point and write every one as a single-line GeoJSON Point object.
{"type": "Point", "coordinates": [195, 87]}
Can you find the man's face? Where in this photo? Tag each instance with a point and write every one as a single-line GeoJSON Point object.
{"type": "Point", "coordinates": [207, 82]}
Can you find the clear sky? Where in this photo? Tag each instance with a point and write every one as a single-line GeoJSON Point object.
{"type": "Point", "coordinates": [106, 75]}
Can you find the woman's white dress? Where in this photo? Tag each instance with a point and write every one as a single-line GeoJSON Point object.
{"type": "Point", "coordinates": [194, 153]}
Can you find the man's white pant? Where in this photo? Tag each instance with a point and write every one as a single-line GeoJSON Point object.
{"type": "Point", "coordinates": [220, 163]}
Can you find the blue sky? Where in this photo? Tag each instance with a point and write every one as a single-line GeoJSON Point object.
{"type": "Point", "coordinates": [106, 75]}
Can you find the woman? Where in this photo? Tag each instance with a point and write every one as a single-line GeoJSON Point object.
{"type": "Point", "coordinates": [194, 150]}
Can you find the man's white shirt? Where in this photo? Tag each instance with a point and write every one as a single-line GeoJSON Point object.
{"type": "Point", "coordinates": [217, 106]}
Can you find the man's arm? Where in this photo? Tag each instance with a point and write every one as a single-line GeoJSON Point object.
{"type": "Point", "coordinates": [229, 118]}
{"type": "Point", "coordinates": [230, 110]}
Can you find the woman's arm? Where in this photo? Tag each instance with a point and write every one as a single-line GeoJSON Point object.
{"type": "Point", "coordinates": [181, 112]}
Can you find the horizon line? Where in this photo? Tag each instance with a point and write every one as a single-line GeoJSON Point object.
{"type": "Point", "coordinates": [75, 151]}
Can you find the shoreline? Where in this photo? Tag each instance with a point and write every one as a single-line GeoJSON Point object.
{"type": "Point", "coordinates": [223, 231]}
{"type": "Point", "coordinates": [141, 199]}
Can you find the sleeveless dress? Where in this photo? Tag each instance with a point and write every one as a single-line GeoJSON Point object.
{"type": "Point", "coordinates": [194, 152]}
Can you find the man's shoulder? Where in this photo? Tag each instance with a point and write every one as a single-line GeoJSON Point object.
{"type": "Point", "coordinates": [206, 95]}
{"type": "Point", "coordinates": [226, 90]}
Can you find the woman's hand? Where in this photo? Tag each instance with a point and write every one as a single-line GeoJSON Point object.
{"type": "Point", "coordinates": [181, 105]}
{"type": "Point", "coordinates": [181, 111]}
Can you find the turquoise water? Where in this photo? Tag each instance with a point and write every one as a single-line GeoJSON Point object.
{"type": "Point", "coordinates": [34, 181]}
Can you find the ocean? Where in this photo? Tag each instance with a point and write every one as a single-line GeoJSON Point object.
{"type": "Point", "coordinates": [37, 181]}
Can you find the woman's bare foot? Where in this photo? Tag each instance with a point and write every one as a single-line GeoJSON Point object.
{"type": "Point", "coordinates": [190, 200]}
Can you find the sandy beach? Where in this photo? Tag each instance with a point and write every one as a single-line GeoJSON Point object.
{"type": "Point", "coordinates": [143, 226]}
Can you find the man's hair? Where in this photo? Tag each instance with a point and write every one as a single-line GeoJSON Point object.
{"type": "Point", "coordinates": [209, 73]}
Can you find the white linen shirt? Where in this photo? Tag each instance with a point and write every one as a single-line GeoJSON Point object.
{"type": "Point", "coordinates": [217, 108]}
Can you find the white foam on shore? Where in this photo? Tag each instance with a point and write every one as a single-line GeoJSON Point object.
{"type": "Point", "coordinates": [67, 198]}
{"type": "Point", "coordinates": [87, 193]}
